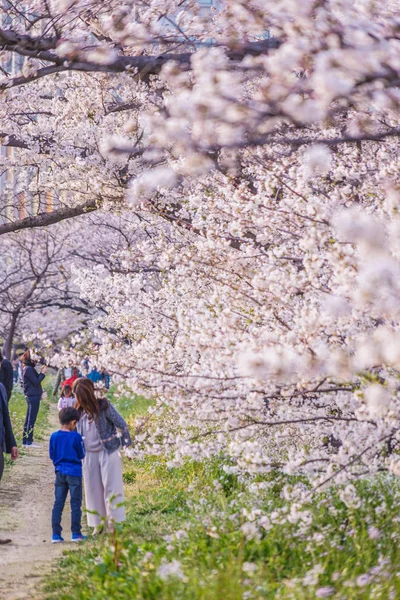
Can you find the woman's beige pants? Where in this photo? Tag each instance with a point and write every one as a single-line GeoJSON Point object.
{"type": "Point", "coordinates": [104, 491]}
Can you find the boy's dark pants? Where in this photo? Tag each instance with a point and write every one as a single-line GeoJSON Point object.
{"type": "Point", "coordinates": [64, 483]}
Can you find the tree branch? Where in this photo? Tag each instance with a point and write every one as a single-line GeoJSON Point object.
{"type": "Point", "coordinates": [45, 219]}
{"type": "Point", "coordinates": [42, 48]}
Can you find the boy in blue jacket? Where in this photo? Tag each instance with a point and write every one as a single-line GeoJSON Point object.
{"type": "Point", "coordinates": [67, 451]}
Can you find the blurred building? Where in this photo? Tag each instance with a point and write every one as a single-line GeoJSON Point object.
{"type": "Point", "coordinates": [16, 200]}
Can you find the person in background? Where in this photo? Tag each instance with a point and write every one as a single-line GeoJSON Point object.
{"type": "Point", "coordinates": [70, 380]}
{"type": "Point", "coordinates": [85, 365]}
{"type": "Point", "coordinates": [32, 385]}
{"type": "Point", "coordinates": [20, 372]}
{"type": "Point", "coordinates": [102, 467]}
{"type": "Point", "coordinates": [67, 399]}
{"type": "Point", "coordinates": [105, 378]}
{"type": "Point", "coordinates": [6, 375]}
{"type": "Point", "coordinates": [7, 440]}
{"type": "Point", "coordinates": [15, 365]}
{"type": "Point", "coordinates": [64, 375]}
{"type": "Point", "coordinates": [66, 450]}
{"type": "Point", "coordinates": [94, 375]}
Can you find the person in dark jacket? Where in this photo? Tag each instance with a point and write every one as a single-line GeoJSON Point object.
{"type": "Point", "coordinates": [32, 384]}
{"type": "Point", "coordinates": [7, 439]}
{"type": "Point", "coordinates": [6, 375]}
{"type": "Point", "coordinates": [105, 378]}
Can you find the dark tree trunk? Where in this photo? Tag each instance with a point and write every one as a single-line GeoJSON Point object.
{"type": "Point", "coordinates": [8, 344]}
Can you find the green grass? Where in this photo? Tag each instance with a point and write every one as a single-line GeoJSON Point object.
{"type": "Point", "coordinates": [198, 515]}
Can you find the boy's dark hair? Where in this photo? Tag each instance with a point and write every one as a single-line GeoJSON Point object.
{"type": "Point", "coordinates": [66, 415]}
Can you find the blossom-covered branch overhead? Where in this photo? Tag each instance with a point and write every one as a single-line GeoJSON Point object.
{"type": "Point", "coordinates": [45, 49]}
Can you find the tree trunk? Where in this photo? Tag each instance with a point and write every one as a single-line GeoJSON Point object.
{"type": "Point", "coordinates": [10, 337]}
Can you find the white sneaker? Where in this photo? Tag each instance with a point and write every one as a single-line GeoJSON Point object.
{"type": "Point", "coordinates": [33, 445]}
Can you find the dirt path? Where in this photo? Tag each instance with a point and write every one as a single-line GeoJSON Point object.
{"type": "Point", "coordinates": [26, 499]}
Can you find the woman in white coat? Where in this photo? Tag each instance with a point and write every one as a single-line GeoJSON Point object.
{"type": "Point", "coordinates": [104, 432]}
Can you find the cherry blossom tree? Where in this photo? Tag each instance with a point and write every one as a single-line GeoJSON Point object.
{"type": "Point", "coordinates": [257, 150]}
{"type": "Point", "coordinates": [37, 294]}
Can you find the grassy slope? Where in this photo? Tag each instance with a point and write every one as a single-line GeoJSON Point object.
{"type": "Point", "coordinates": [194, 515]}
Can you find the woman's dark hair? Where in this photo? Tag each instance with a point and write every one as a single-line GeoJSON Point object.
{"type": "Point", "coordinates": [26, 359]}
{"type": "Point", "coordinates": [66, 415]}
{"type": "Point", "coordinates": [85, 398]}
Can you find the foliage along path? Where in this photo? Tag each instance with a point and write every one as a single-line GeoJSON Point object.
{"type": "Point", "coordinates": [26, 499]}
